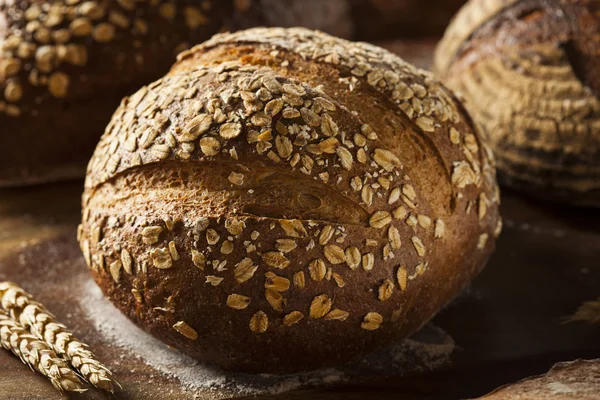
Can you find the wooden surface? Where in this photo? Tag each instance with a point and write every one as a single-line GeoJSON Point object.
{"type": "Point", "coordinates": [507, 326]}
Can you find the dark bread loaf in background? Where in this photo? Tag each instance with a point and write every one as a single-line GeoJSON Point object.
{"type": "Point", "coordinates": [285, 200]}
{"type": "Point", "coordinates": [529, 72]}
{"type": "Point", "coordinates": [353, 19]}
{"type": "Point", "coordinates": [66, 64]}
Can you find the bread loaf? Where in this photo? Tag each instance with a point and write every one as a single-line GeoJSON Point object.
{"type": "Point", "coordinates": [579, 379]}
{"type": "Point", "coordinates": [356, 19]}
{"type": "Point", "coordinates": [66, 64]}
{"type": "Point", "coordinates": [284, 200]}
{"type": "Point", "coordinates": [528, 71]}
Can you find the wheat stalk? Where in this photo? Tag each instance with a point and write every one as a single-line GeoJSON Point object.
{"type": "Point", "coordinates": [43, 324]}
{"type": "Point", "coordinates": [37, 355]}
{"type": "Point", "coordinates": [589, 312]}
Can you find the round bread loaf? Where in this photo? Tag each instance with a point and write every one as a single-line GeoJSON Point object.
{"type": "Point", "coordinates": [66, 64]}
{"type": "Point", "coordinates": [529, 74]}
{"type": "Point", "coordinates": [284, 200]}
{"type": "Point", "coordinates": [356, 19]}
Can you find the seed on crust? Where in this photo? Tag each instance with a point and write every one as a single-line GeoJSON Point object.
{"type": "Point", "coordinates": [380, 219]}
{"type": "Point", "coordinates": [424, 221]}
{"type": "Point", "coordinates": [115, 270]}
{"type": "Point", "coordinates": [299, 280]}
{"type": "Point", "coordinates": [338, 279]}
{"type": "Point", "coordinates": [286, 245]}
{"type": "Point", "coordinates": [482, 241]}
{"type": "Point", "coordinates": [366, 195]}
{"type": "Point", "coordinates": [227, 247]}
{"type": "Point", "coordinates": [236, 178]}
{"type": "Point", "coordinates": [275, 259]}
{"type": "Point", "coordinates": [439, 228]}
{"type": "Point", "coordinates": [292, 318]}
{"type": "Point", "coordinates": [483, 202]}
{"type": "Point", "coordinates": [353, 257]}
{"type": "Point", "coordinates": [372, 321]}
{"type": "Point", "coordinates": [259, 322]}
{"type": "Point", "coordinates": [275, 299]}
{"type": "Point", "coordinates": [127, 261]}
{"type": "Point", "coordinates": [186, 330]}
{"type": "Point", "coordinates": [317, 270]}
{"type": "Point", "coordinates": [161, 258]}
{"type": "Point", "coordinates": [58, 84]}
{"type": "Point", "coordinates": [400, 212]}
{"type": "Point", "coordinates": [394, 196]}
{"type": "Point", "coordinates": [419, 246]}
{"type": "Point", "coordinates": [386, 290]}
{"type": "Point", "coordinates": [284, 146]}
{"type": "Point", "coordinates": [293, 227]}
{"type": "Point", "coordinates": [234, 226]}
{"type": "Point", "coordinates": [425, 123]}
{"type": "Point", "coordinates": [276, 282]}
{"type": "Point", "coordinates": [409, 191]}
{"type": "Point", "coordinates": [328, 126]}
{"type": "Point", "coordinates": [198, 259]}
{"type": "Point", "coordinates": [386, 159]}
{"type": "Point", "coordinates": [320, 306]}
{"type": "Point", "coordinates": [230, 130]}
{"type": "Point", "coordinates": [273, 107]}
{"type": "Point", "coordinates": [196, 127]}
{"type": "Point", "coordinates": [334, 254]}
{"type": "Point", "coordinates": [173, 251]}
{"type": "Point", "coordinates": [326, 235]}
{"type": "Point", "coordinates": [454, 136]}
{"type": "Point", "coordinates": [394, 238]}
{"type": "Point", "coordinates": [210, 146]}
{"type": "Point", "coordinates": [337, 314]}
{"type": "Point", "coordinates": [402, 276]}
{"type": "Point", "coordinates": [212, 237]}
{"type": "Point", "coordinates": [368, 261]}
{"type": "Point", "coordinates": [150, 234]}
{"type": "Point", "coordinates": [345, 157]}
{"type": "Point", "coordinates": [463, 174]}
{"type": "Point", "coordinates": [244, 270]}
{"type": "Point", "coordinates": [238, 301]}
{"type": "Point", "coordinates": [214, 280]}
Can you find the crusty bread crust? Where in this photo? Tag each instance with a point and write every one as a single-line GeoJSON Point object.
{"type": "Point", "coordinates": [65, 65]}
{"type": "Point", "coordinates": [578, 379]}
{"type": "Point", "coordinates": [529, 74]}
{"type": "Point", "coordinates": [284, 200]}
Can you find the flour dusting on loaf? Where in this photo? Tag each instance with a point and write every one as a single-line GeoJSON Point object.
{"type": "Point", "coordinates": [284, 200]}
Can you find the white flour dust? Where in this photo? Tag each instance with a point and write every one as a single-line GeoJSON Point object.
{"type": "Point", "coordinates": [430, 348]}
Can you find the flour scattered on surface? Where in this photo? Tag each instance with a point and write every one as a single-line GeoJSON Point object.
{"type": "Point", "coordinates": [428, 349]}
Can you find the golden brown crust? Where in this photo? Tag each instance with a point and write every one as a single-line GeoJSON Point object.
{"type": "Point", "coordinates": [579, 379]}
{"type": "Point", "coordinates": [528, 71]}
{"type": "Point", "coordinates": [65, 65]}
{"type": "Point", "coordinates": [284, 200]}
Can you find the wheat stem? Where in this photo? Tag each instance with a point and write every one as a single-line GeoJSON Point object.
{"type": "Point", "coordinates": [589, 312]}
{"type": "Point", "coordinates": [37, 355]}
{"type": "Point", "coordinates": [43, 324]}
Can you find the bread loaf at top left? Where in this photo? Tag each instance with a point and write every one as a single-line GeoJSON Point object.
{"type": "Point", "coordinates": [66, 64]}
